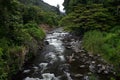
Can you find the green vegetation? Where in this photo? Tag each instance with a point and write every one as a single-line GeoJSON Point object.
{"type": "Point", "coordinates": [20, 34]}
{"type": "Point", "coordinates": [99, 23]}
{"type": "Point", "coordinates": [106, 44]}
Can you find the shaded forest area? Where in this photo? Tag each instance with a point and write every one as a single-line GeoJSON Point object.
{"type": "Point", "coordinates": [21, 37]}
{"type": "Point", "coordinates": [99, 23]}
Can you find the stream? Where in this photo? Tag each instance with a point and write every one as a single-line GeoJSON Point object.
{"type": "Point", "coordinates": [63, 58]}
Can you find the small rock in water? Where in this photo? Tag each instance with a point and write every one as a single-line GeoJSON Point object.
{"type": "Point", "coordinates": [89, 73]}
{"type": "Point", "coordinates": [87, 62]}
{"type": "Point", "coordinates": [86, 78]}
{"type": "Point", "coordinates": [78, 75]}
{"type": "Point", "coordinates": [68, 47]}
{"type": "Point", "coordinates": [106, 72]}
{"type": "Point", "coordinates": [49, 76]}
{"type": "Point", "coordinates": [114, 73]}
{"type": "Point", "coordinates": [86, 57]}
{"type": "Point", "coordinates": [28, 78]}
{"type": "Point", "coordinates": [82, 51]}
{"type": "Point", "coordinates": [99, 65]}
{"type": "Point", "coordinates": [99, 71]}
{"type": "Point", "coordinates": [43, 64]}
{"type": "Point", "coordinates": [92, 68]}
{"type": "Point", "coordinates": [93, 62]}
{"type": "Point", "coordinates": [82, 55]}
{"type": "Point", "coordinates": [90, 55]}
{"type": "Point", "coordinates": [98, 55]}
{"type": "Point", "coordinates": [26, 71]}
{"type": "Point", "coordinates": [103, 67]}
{"type": "Point", "coordinates": [36, 68]}
{"type": "Point", "coordinates": [46, 42]}
{"type": "Point", "coordinates": [82, 66]}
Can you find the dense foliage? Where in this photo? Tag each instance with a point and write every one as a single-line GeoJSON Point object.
{"type": "Point", "coordinates": [20, 35]}
{"type": "Point", "coordinates": [99, 23]}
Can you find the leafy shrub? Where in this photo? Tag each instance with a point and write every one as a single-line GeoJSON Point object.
{"type": "Point", "coordinates": [106, 44]}
{"type": "Point", "coordinates": [37, 33]}
{"type": "Point", "coordinates": [93, 41]}
{"type": "Point", "coordinates": [3, 73]}
{"type": "Point", "coordinates": [111, 48]}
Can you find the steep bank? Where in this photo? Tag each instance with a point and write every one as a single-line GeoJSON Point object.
{"type": "Point", "coordinates": [20, 36]}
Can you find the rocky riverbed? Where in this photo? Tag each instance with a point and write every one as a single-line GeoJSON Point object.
{"type": "Point", "coordinates": [84, 65]}
{"type": "Point", "coordinates": [63, 58]}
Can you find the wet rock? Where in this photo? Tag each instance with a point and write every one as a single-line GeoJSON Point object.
{"type": "Point", "coordinates": [89, 73]}
{"type": "Point", "coordinates": [93, 62]}
{"type": "Point", "coordinates": [90, 55]}
{"type": "Point", "coordinates": [82, 55]}
{"type": "Point", "coordinates": [35, 68]}
{"type": "Point", "coordinates": [49, 76]}
{"type": "Point", "coordinates": [114, 73]}
{"type": "Point", "coordinates": [86, 57]}
{"type": "Point", "coordinates": [43, 65]}
{"type": "Point", "coordinates": [76, 57]}
{"type": "Point", "coordinates": [46, 42]}
{"type": "Point", "coordinates": [68, 75]}
{"type": "Point", "coordinates": [99, 65]}
{"type": "Point", "coordinates": [99, 71]}
{"type": "Point", "coordinates": [82, 66]}
{"type": "Point", "coordinates": [83, 60]}
{"type": "Point", "coordinates": [26, 71]}
{"type": "Point", "coordinates": [81, 51]}
{"type": "Point", "coordinates": [28, 78]}
{"type": "Point", "coordinates": [86, 77]}
{"type": "Point", "coordinates": [87, 62]}
{"type": "Point", "coordinates": [78, 75]}
{"type": "Point", "coordinates": [68, 47]}
{"type": "Point", "coordinates": [98, 55]}
{"type": "Point", "coordinates": [92, 68]}
{"type": "Point", "coordinates": [106, 72]}
{"type": "Point", "coordinates": [103, 67]}
{"type": "Point", "coordinates": [64, 67]}
{"type": "Point", "coordinates": [95, 57]}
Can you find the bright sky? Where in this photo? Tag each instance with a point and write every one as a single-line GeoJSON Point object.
{"type": "Point", "coordinates": [55, 2]}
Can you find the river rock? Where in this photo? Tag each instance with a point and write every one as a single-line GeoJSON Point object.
{"type": "Point", "coordinates": [26, 71]}
{"type": "Point", "coordinates": [46, 42]}
{"type": "Point", "coordinates": [92, 68]}
{"type": "Point", "coordinates": [93, 62]}
{"type": "Point", "coordinates": [28, 78]}
{"type": "Point", "coordinates": [106, 72]}
{"type": "Point", "coordinates": [68, 47]}
{"type": "Point", "coordinates": [99, 65]}
{"type": "Point", "coordinates": [99, 71]}
{"type": "Point", "coordinates": [81, 51]}
{"type": "Point", "coordinates": [82, 66]}
{"type": "Point", "coordinates": [103, 67]}
{"type": "Point", "coordinates": [43, 65]}
{"type": "Point", "coordinates": [78, 75]}
{"type": "Point", "coordinates": [90, 55]}
{"type": "Point", "coordinates": [89, 73]}
{"type": "Point", "coordinates": [49, 76]}
{"type": "Point", "coordinates": [87, 62]}
{"type": "Point", "coordinates": [82, 55]}
{"type": "Point", "coordinates": [86, 77]}
{"type": "Point", "coordinates": [35, 68]}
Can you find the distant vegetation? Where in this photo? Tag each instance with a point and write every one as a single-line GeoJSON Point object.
{"type": "Point", "coordinates": [20, 34]}
{"type": "Point", "coordinates": [99, 23]}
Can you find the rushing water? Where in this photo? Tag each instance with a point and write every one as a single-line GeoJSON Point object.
{"type": "Point", "coordinates": [53, 63]}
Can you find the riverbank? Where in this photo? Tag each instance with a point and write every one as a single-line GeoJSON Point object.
{"type": "Point", "coordinates": [86, 66]}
